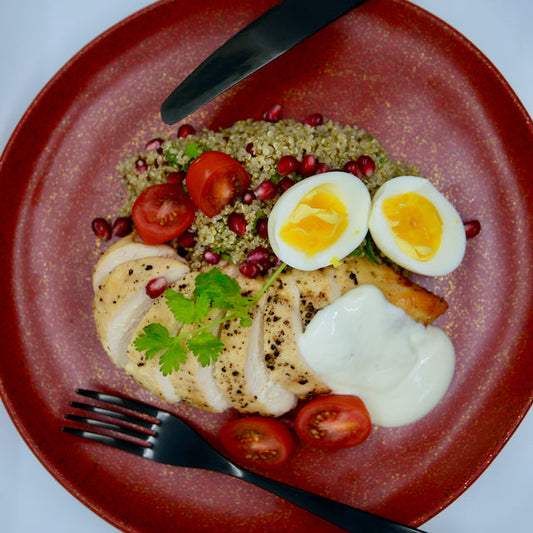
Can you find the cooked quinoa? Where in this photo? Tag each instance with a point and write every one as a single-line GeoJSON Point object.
{"type": "Point", "coordinates": [258, 146]}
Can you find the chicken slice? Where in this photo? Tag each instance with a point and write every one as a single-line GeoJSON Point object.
{"type": "Point", "coordinates": [127, 249]}
{"type": "Point", "coordinates": [282, 329]}
{"type": "Point", "coordinates": [276, 398]}
{"type": "Point", "coordinates": [419, 303]}
{"type": "Point", "coordinates": [317, 288]}
{"type": "Point", "coordinates": [146, 371]}
{"type": "Point", "coordinates": [193, 383]}
{"type": "Point", "coordinates": [121, 300]}
{"type": "Point", "coordinates": [241, 371]}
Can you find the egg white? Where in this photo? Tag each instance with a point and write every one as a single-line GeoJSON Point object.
{"type": "Point", "coordinates": [453, 243]}
{"type": "Point", "coordinates": [357, 201]}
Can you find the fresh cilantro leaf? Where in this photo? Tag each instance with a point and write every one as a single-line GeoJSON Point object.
{"type": "Point", "coordinates": [358, 251]}
{"type": "Point", "coordinates": [171, 359]}
{"type": "Point", "coordinates": [193, 150]}
{"type": "Point", "coordinates": [369, 252]}
{"type": "Point", "coordinates": [154, 339]}
{"type": "Point", "coordinates": [187, 310]}
{"type": "Point", "coordinates": [213, 289]}
{"type": "Point", "coordinates": [246, 320]}
{"type": "Point", "coordinates": [182, 308]}
{"type": "Point", "coordinates": [206, 347]}
{"type": "Point", "coordinates": [172, 159]}
{"type": "Point", "coordinates": [223, 291]}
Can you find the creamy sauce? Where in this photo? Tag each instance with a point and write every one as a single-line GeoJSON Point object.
{"type": "Point", "coordinates": [363, 345]}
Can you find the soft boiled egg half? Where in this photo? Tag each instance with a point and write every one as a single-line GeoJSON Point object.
{"type": "Point", "coordinates": [414, 225]}
{"type": "Point", "coordinates": [320, 220]}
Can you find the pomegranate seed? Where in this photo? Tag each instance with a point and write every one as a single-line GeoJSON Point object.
{"type": "Point", "coordinates": [101, 228]}
{"type": "Point", "coordinates": [185, 130]}
{"type": "Point", "coordinates": [141, 165]}
{"type": "Point", "coordinates": [353, 168]}
{"type": "Point", "coordinates": [186, 239]}
{"type": "Point", "coordinates": [156, 287]}
{"type": "Point", "coordinates": [472, 228]}
{"type": "Point", "coordinates": [250, 149]}
{"type": "Point", "coordinates": [237, 223]}
{"type": "Point", "coordinates": [154, 144]}
{"type": "Point", "coordinates": [308, 166]}
{"type": "Point", "coordinates": [261, 227]}
{"type": "Point", "coordinates": [176, 177]}
{"type": "Point", "coordinates": [258, 255]}
{"type": "Point", "coordinates": [121, 227]}
{"type": "Point", "coordinates": [285, 183]}
{"type": "Point", "coordinates": [273, 114]}
{"type": "Point", "coordinates": [314, 119]}
{"type": "Point", "coordinates": [266, 190]}
{"type": "Point", "coordinates": [250, 270]}
{"type": "Point", "coordinates": [211, 257]}
{"type": "Point", "coordinates": [287, 164]}
{"type": "Point", "coordinates": [321, 168]}
{"type": "Point", "coordinates": [367, 165]}
{"type": "Point", "coordinates": [248, 197]}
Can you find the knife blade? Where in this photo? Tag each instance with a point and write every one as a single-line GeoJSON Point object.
{"type": "Point", "coordinates": [266, 38]}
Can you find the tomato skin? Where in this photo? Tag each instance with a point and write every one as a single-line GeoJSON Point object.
{"type": "Point", "coordinates": [214, 180]}
{"type": "Point", "coordinates": [162, 212]}
{"type": "Point", "coordinates": [334, 421]}
{"type": "Point", "coordinates": [257, 441]}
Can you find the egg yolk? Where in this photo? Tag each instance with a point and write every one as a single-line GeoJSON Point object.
{"type": "Point", "coordinates": [415, 224]}
{"type": "Point", "coordinates": [317, 221]}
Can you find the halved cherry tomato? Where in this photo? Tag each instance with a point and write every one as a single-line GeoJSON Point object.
{"type": "Point", "coordinates": [214, 180]}
{"type": "Point", "coordinates": [334, 421]}
{"type": "Point", "coordinates": [162, 212]}
{"type": "Point", "coordinates": [257, 441]}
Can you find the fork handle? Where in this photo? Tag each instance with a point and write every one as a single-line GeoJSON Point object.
{"type": "Point", "coordinates": [344, 516]}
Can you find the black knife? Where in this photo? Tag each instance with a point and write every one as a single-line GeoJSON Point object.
{"type": "Point", "coordinates": [273, 33]}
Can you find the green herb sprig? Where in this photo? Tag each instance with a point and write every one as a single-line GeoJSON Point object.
{"type": "Point", "coordinates": [213, 290]}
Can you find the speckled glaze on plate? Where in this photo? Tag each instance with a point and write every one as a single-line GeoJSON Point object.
{"type": "Point", "coordinates": [410, 80]}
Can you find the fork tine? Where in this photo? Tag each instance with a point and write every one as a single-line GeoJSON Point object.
{"type": "Point", "coordinates": [106, 425]}
{"type": "Point", "coordinates": [121, 444]}
{"type": "Point", "coordinates": [127, 403]}
{"type": "Point", "coordinates": [113, 414]}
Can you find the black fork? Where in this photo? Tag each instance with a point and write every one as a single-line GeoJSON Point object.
{"type": "Point", "coordinates": [167, 439]}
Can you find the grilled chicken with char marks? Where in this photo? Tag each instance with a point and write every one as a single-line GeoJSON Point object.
{"type": "Point", "coordinates": [261, 369]}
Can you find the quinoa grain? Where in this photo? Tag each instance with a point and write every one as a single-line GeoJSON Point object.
{"type": "Point", "coordinates": [258, 146]}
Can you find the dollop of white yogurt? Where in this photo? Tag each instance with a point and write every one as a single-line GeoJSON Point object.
{"type": "Point", "coordinates": [363, 345]}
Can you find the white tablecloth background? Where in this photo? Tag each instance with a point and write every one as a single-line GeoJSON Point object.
{"type": "Point", "coordinates": [37, 37]}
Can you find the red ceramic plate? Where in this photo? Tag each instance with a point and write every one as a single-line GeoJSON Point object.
{"type": "Point", "coordinates": [388, 66]}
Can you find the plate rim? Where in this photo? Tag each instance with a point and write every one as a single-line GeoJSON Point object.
{"type": "Point", "coordinates": [27, 117]}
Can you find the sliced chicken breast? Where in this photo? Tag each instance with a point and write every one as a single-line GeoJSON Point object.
{"type": "Point", "coordinates": [147, 372]}
{"type": "Point", "coordinates": [195, 384]}
{"type": "Point", "coordinates": [275, 398]}
{"type": "Point", "coordinates": [261, 369]}
{"type": "Point", "coordinates": [126, 249]}
{"type": "Point", "coordinates": [316, 289]}
{"type": "Point", "coordinates": [282, 329]}
{"type": "Point", "coordinates": [419, 303]}
{"type": "Point", "coordinates": [121, 300]}
{"type": "Point", "coordinates": [192, 383]}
